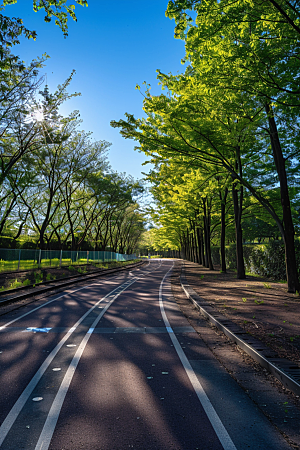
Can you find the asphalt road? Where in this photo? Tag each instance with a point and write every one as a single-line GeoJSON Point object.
{"type": "Point", "coordinates": [115, 365]}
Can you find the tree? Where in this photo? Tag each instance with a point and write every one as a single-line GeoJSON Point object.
{"type": "Point", "coordinates": [61, 10]}
{"type": "Point", "coordinates": [230, 109]}
{"type": "Point", "coordinates": [257, 46]}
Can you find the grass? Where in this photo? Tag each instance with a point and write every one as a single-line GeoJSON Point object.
{"type": "Point", "coordinates": [252, 274]}
{"type": "Point", "coordinates": [11, 266]}
{"type": "Point", "coordinates": [258, 302]}
{"type": "Point", "coordinates": [38, 276]}
{"type": "Point", "coordinates": [50, 277]}
{"type": "Point", "coordinates": [15, 284]}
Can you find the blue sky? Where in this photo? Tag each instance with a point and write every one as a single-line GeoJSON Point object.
{"type": "Point", "coordinates": [113, 46]}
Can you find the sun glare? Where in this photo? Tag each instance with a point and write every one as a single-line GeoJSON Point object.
{"type": "Point", "coordinates": [39, 116]}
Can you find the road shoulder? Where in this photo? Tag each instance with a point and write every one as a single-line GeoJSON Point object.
{"type": "Point", "coordinates": [279, 405]}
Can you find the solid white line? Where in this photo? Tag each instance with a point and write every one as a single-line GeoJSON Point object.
{"type": "Point", "coordinates": [213, 417]}
{"type": "Point", "coordinates": [50, 424]}
{"type": "Point", "coordinates": [16, 409]}
{"type": "Point", "coordinates": [47, 303]}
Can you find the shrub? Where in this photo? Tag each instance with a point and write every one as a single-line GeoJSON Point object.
{"type": "Point", "coordinates": [266, 260]}
{"type": "Point", "coordinates": [230, 253]}
{"type": "Point", "coordinates": [215, 254]}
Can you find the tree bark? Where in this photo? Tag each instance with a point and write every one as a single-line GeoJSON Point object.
{"type": "Point", "coordinates": [238, 233]}
{"type": "Point", "coordinates": [223, 230]}
{"type": "Point", "coordinates": [289, 232]}
{"type": "Point", "coordinates": [206, 220]}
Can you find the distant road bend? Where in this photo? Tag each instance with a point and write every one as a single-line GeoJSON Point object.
{"type": "Point", "coordinates": [113, 365]}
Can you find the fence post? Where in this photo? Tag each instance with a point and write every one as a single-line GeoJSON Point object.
{"type": "Point", "coordinates": [87, 257]}
{"type": "Point", "coordinates": [19, 259]}
{"type": "Point", "coordinates": [39, 262]}
{"type": "Point", "coordinates": [60, 259]}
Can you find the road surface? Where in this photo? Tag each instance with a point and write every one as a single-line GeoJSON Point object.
{"type": "Point", "coordinates": [114, 365]}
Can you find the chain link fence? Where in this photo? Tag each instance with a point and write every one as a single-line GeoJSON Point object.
{"type": "Point", "coordinates": [22, 259]}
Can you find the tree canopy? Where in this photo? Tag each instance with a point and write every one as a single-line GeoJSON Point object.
{"type": "Point", "coordinates": [61, 10]}
{"type": "Point", "coordinates": [232, 115]}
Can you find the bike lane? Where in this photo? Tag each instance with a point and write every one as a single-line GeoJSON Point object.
{"type": "Point", "coordinates": [134, 385]}
{"type": "Point", "coordinates": [131, 389]}
{"type": "Point", "coordinates": [33, 340]}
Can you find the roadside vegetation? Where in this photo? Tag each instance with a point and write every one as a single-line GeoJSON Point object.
{"type": "Point", "coordinates": [224, 135]}
{"type": "Point", "coordinates": [57, 189]}
{"type": "Point", "coordinates": [33, 277]}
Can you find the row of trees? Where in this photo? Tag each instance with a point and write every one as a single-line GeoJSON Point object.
{"type": "Point", "coordinates": [56, 185]}
{"type": "Point", "coordinates": [61, 188]}
{"type": "Point", "coordinates": [229, 124]}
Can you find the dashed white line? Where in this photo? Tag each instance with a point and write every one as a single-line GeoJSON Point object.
{"type": "Point", "coordinates": [50, 424]}
{"type": "Point", "coordinates": [16, 409]}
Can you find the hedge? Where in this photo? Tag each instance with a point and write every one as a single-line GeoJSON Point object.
{"type": "Point", "coordinates": [267, 260]}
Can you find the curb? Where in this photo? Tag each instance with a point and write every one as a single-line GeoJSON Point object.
{"type": "Point", "coordinates": [287, 372]}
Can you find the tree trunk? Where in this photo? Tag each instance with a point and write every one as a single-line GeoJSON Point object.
{"type": "Point", "coordinates": [206, 220]}
{"type": "Point", "coordinates": [194, 258]}
{"type": "Point", "coordinates": [42, 239]}
{"type": "Point", "coordinates": [238, 233]}
{"type": "Point", "coordinates": [199, 257]}
{"type": "Point", "coordinates": [198, 254]}
{"type": "Point", "coordinates": [188, 247]}
{"type": "Point", "coordinates": [289, 232]}
{"type": "Point", "coordinates": [223, 229]}
{"type": "Point", "coordinates": [202, 247]}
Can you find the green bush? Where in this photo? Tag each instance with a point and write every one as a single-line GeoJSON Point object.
{"type": "Point", "coordinates": [8, 242]}
{"type": "Point", "coordinates": [215, 254]}
{"type": "Point", "coordinates": [230, 255]}
{"type": "Point", "coordinates": [266, 260]}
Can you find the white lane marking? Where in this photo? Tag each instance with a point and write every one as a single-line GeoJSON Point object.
{"type": "Point", "coordinates": [211, 413]}
{"type": "Point", "coordinates": [15, 411]}
{"type": "Point", "coordinates": [41, 306]}
{"type": "Point", "coordinates": [50, 301]}
{"type": "Point", "coordinates": [50, 424]}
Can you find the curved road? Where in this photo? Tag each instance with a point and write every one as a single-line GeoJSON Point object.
{"type": "Point", "coordinates": [115, 365]}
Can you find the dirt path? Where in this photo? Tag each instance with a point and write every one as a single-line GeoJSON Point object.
{"type": "Point", "coordinates": [263, 308]}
